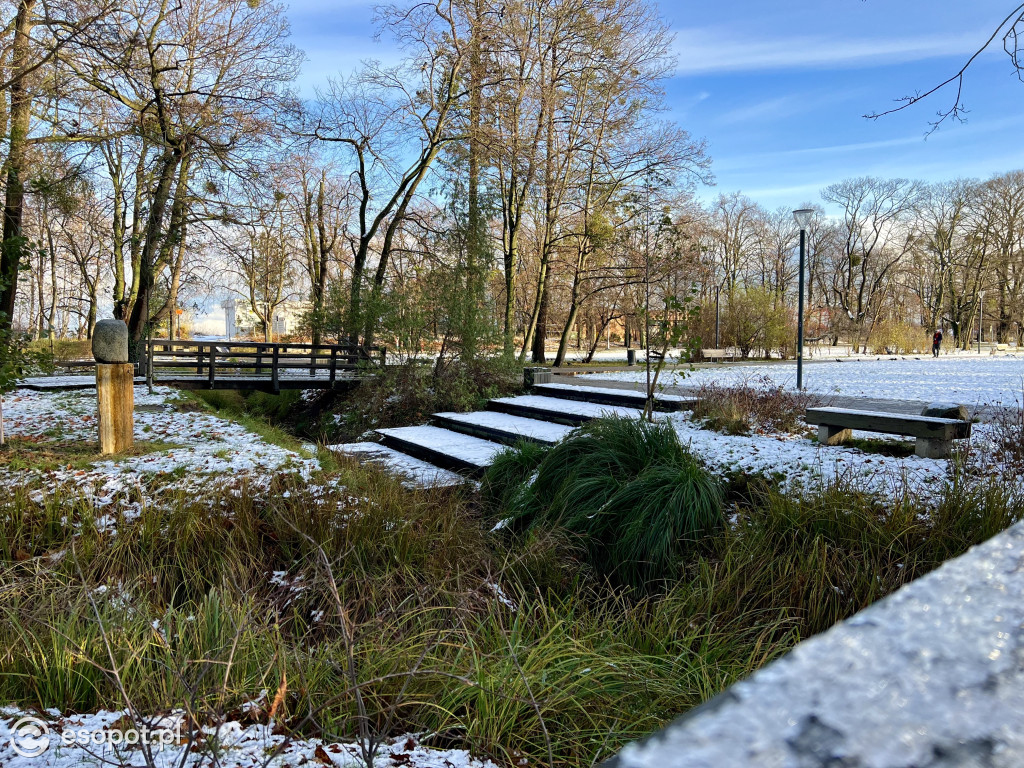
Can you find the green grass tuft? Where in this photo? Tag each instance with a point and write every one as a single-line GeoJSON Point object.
{"type": "Point", "coordinates": [629, 489]}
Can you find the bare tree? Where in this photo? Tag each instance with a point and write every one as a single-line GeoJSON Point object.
{"type": "Point", "coordinates": [1008, 32]}
{"type": "Point", "coordinates": [197, 82]}
{"type": "Point", "coordinates": [877, 235]}
{"type": "Point", "coordinates": [380, 115]}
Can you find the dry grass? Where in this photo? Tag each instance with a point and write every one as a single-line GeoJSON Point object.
{"type": "Point", "coordinates": [385, 615]}
{"type": "Point", "coordinates": [752, 405]}
{"type": "Point", "coordinates": [44, 453]}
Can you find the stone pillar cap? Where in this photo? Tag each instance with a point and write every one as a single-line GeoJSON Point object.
{"type": "Point", "coordinates": [110, 341]}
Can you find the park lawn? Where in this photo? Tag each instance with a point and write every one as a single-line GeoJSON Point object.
{"type": "Point", "coordinates": [40, 453]}
{"type": "Point", "coordinates": [296, 606]}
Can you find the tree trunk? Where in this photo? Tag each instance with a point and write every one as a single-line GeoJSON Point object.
{"type": "Point", "coordinates": [138, 320]}
{"type": "Point", "coordinates": [20, 122]}
{"type": "Point", "coordinates": [540, 333]}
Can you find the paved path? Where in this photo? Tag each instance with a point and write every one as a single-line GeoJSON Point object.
{"type": "Point", "coordinates": [838, 401]}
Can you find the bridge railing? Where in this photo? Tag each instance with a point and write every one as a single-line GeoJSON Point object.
{"type": "Point", "coordinates": [213, 361]}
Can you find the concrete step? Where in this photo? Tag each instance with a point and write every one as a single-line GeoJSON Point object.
{"type": "Point", "coordinates": [557, 410]}
{"type": "Point", "coordinates": [502, 427]}
{"type": "Point", "coordinates": [415, 473]}
{"type": "Point", "coordinates": [444, 448]}
{"type": "Point", "coordinates": [608, 396]}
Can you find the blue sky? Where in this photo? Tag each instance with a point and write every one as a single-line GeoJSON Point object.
{"type": "Point", "coordinates": [779, 89]}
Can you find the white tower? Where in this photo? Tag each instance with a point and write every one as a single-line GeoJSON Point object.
{"type": "Point", "coordinates": [230, 307]}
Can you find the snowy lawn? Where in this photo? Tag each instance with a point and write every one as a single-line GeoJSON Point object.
{"type": "Point", "coordinates": [238, 745]}
{"type": "Point", "coordinates": [797, 462]}
{"type": "Point", "coordinates": [971, 381]}
{"type": "Point", "coordinates": [208, 452]}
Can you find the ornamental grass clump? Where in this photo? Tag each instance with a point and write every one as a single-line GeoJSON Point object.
{"type": "Point", "coordinates": [629, 489]}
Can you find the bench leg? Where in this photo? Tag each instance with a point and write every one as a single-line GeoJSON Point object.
{"type": "Point", "coordinates": [829, 435]}
{"type": "Point", "coordinates": [930, 448]}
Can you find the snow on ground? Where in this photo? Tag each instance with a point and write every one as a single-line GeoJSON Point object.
{"type": "Point", "coordinates": [799, 463]}
{"type": "Point", "coordinates": [972, 381]}
{"type": "Point", "coordinates": [238, 746]}
{"type": "Point", "coordinates": [208, 451]}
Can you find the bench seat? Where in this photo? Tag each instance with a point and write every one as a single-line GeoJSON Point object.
{"type": "Point", "coordinates": [933, 436]}
{"type": "Point", "coordinates": [711, 355]}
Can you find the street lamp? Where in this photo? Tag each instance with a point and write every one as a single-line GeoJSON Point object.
{"type": "Point", "coordinates": [803, 220]}
{"type": "Point", "coordinates": [718, 316]}
{"type": "Point", "coordinates": [981, 317]}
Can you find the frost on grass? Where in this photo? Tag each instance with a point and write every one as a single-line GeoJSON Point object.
{"type": "Point", "coordinates": [210, 454]}
{"type": "Point", "coordinates": [797, 462]}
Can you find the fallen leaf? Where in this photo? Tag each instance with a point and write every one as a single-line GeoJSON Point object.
{"type": "Point", "coordinates": [321, 756]}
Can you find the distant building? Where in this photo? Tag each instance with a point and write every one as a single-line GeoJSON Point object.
{"type": "Point", "coordinates": [230, 308]}
{"type": "Point", "coordinates": [241, 322]}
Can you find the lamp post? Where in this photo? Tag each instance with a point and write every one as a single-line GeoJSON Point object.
{"type": "Point", "coordinates": [803, 220]}
{"type": "Point", "coordinates": [718, 316]}
{"type": "Point", "coordinates": [981, 317]}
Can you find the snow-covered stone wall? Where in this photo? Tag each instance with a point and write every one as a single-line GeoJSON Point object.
{"type": "Point", "coordinates": [931, 677]}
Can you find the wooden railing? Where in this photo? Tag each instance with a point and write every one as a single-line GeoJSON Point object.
{"type": "Point", "coordinates": [213, 361]}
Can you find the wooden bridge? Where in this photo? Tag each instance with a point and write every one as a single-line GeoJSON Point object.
{"type": "Point", "coordinates": [260, 366]}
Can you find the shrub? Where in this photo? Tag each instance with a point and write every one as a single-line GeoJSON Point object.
{"type": "Point", "coordinates": [891, 337]}
{"type": "Point", "coordinates": [629, 489]}
{"type": "Point", "coordinates": [1008, 434]}
{"type": "Point", "coordinates": [738, 410]}
{"type": "Point", "coordinates": [409, 393]}
{"type": "Point", "coordinates": [510, 473]}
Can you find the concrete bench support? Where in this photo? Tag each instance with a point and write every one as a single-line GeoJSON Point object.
{"type": "Point", "coordinates": [829, 435]}
{"type": "Point", "coordinates": [928, 448]}
{"type": "Point", "coordinates": [534, 376]}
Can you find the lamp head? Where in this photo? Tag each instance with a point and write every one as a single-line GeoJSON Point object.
{"type": "Point", "coordinates": [803, 217]}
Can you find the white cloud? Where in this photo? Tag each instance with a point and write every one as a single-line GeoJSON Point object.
{"type": "Point", "coordinates": [770, 109]}
{"type": "Point", "coordinates": [706, 50]}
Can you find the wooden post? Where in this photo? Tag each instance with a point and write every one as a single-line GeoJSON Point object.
{"type": "Point", "coordinates": [273, 369]}
{"type": "Point", "coordinates": [334, 365]}
{"type": "Point", "coordinates": [149, 363]}
{"type": "Point", "coordinates": [116, 392]}
{"type": "Point", "coordinates": [213, 366]}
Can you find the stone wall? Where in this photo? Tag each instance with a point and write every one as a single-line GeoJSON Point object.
{"type": "Point", "coordinates": [930, 677]}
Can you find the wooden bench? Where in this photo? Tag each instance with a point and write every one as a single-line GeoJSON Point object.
{"type": "Point", "coordinates": [933, 436]}
{"type": "Point", "coordinates": [712, 355]}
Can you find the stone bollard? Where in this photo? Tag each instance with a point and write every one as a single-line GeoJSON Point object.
{"type": "Point", "coordinates": [115, 386]}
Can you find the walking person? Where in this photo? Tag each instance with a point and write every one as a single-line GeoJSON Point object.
{"type": "Point", "coordinates": [936, 342]}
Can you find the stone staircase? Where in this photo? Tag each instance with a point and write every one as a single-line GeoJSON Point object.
{"type": "Point", "coordinates": [458, 447]}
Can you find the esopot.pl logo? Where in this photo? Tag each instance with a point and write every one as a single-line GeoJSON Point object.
{"type": "Point", "coordinates": [30, 737]}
